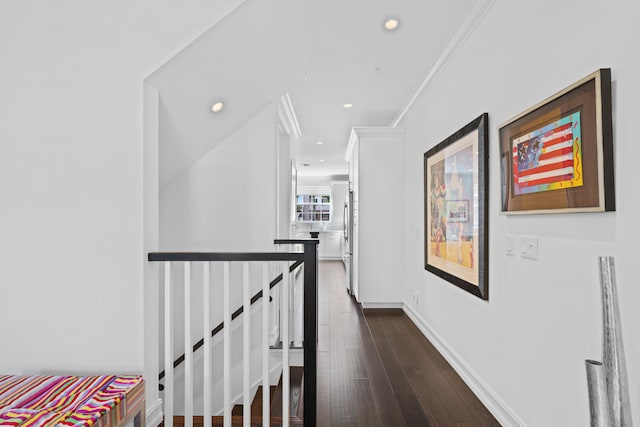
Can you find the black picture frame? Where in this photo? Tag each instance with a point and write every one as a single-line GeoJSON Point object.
{"type": "Point", "coordinates": [457, 169]}
{"type": "Point", "coordinates": [557, 156]}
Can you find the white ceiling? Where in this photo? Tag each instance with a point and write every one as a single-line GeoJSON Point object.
{"type": "Point", "coordinates": [324, 53]}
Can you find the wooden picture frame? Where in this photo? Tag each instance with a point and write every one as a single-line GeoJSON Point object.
{"type": "Point", "coordinates": [557, 157]}
{"type": "Point", "coordinates": [455, 208]}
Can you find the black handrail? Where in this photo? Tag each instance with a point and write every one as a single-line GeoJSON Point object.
{"type": "Point", "coordinates": [226, 256]}
{"type": "Point", "coordinates": [235, 314]}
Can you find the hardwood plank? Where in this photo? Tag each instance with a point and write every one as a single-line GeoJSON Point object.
{"type": "Point", "coordinates": [464, 406]}
{"type": "Point", "coordinates": [355, 364]}
{"type": "Point", "coordinates": [324, 338]}
{"type": "Point", "coordinates": [422, 372]}
{"type": "Point", "coordinates": [324, 366]}
{"type": "Point", "coordinates": [340, 398]}
{"type": "Point", "coordinates": [365, 409]}
{"type": "Point", "coordinates": [349, 329]}
{"type": "Point", "coordinates": [411, 409]}
{"type": "Point", "coordinates": [324, 409]}
{"type": "Point", "coordinates": [386, 402]}
{"type": "Point", "coordinates": [324, 386]}
{"type": "Point", "coordinates": [351, 333]}
{"type": "Point", "coordinates": [444, 398]}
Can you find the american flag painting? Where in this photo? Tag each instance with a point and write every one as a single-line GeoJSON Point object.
{"type": "Point", "coordinates": [548, 158]}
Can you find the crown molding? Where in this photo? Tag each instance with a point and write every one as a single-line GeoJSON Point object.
{"type": "Point", "coordinates": [287, 116]}
{"type": "Point", "coordinates": [474, 16]}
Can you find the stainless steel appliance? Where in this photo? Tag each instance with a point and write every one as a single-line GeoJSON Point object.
{"type": "Point", "coordinates": [347, 255]}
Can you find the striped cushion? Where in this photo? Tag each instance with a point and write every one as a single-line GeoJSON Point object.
{"type": "Point", "coordinates": [28, 401]}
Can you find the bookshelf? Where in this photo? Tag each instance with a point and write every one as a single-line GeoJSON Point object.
{"type": "Point", "coordinates": [313, 208]}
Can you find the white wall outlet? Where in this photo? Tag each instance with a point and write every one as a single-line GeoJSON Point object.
{"type": "Point", "coordinates": [510, 245]}
{"type": "Point", "coordinates": [415, 297]}
{"type": "Point", "coordinates": [529, 247]}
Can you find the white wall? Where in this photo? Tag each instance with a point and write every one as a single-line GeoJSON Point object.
{"type": "Point", "coordinates": [377, 177]}
{"type": "Point", "coordinates": [151, 243]}
{"type": "Point", "coordinates": [224, 203]}
{"type": "Point", "coordinates": [285, 184]}
{"type": "Point", "coordinates": [528, 343]}
{"type": "Point", "coordinates": [71, 175]}
{"type": "Point", "coordinates": [227, 200]}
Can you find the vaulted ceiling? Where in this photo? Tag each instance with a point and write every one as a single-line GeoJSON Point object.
{"type": "Point", "coordinates": [324, 53]}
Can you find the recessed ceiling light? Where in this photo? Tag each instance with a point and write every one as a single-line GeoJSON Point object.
{"type": "Point", "coordinates": [321, 161]}
{"type": "Point", "coordinates": [217, 107]}
{"type": "Point", "coordinates": [391, 24]}
{"type": "Point", "coordinates": [320, 142]}
{"type": "Point", "coordinates": [347, 105]}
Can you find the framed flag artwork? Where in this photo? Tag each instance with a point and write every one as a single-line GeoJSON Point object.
{"type": "Point", "coordinates": [557, 157]}
{"type": "Point", "coordinates": [455, 208]}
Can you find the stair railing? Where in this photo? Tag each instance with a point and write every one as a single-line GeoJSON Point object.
{"type": "Point", "coordinates": [190, 259]}
{"type": "Point", "coordinates": [215, 331]}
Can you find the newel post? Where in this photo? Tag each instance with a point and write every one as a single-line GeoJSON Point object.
{"type": "Point", "coordinates": [310, 331]}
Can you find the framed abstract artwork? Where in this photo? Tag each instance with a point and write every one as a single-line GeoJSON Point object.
{"type": "Point", "coordinates": [455, 208]}
{"type": "Point", "coordinates": [557, 157]}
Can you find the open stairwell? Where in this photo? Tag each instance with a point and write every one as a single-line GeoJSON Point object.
{"type": "Point", "coordinates": [209, 385]}
{"type": "Point", "coordinates": [296, 381]}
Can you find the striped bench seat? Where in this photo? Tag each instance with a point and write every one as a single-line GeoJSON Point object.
{"type": "Point", "coordinates": [100, 401]}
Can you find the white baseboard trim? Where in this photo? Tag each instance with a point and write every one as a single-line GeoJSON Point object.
{"type": "Point", "coordinates": [381, 304]}
{"type": "Point", "coordinates": [154, 414]}
{"type": "Point", "coordinates": [488, 397]}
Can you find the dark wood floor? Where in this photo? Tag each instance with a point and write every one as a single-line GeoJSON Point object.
{"type": "Point", "coordinates": [381, 371]}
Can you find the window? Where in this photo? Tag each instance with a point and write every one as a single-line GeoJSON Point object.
{"type": "Point", "coordinates": [313, 208]}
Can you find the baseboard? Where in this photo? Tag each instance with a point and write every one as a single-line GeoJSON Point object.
{"type": "Point", "coordinates": [381, 305]}
{"type": "Point", "coordinates": [154, 414]}
{"type": "Point", "coordinates": [488, 397]}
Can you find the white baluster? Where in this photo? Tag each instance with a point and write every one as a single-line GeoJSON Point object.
{"type": "Point", "coordinates": [188, 353]}
{"type": "Point", "coordinates": [226, 333]}
{"type": "Point", "coordinates": [291, 308]}
{"type": "Point", "coordinates": [246, 320]}
{"type": "Point", "coordinates": [285, 345]}
{"type": "Point", "coordinates": [168, 347]}
{"type": "Point", "coordinates": [206, 296]}
{"type": "Point", "coordinates": [266, 386]}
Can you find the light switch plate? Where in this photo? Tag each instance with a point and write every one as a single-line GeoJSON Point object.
{"type": "Point", "coordinates": [529, 247]}
{"type": "Point", "coordinates": [510, 245]}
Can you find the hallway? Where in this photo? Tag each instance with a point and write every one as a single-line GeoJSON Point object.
{"type": "Point", "coordinates": [382, 371]}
